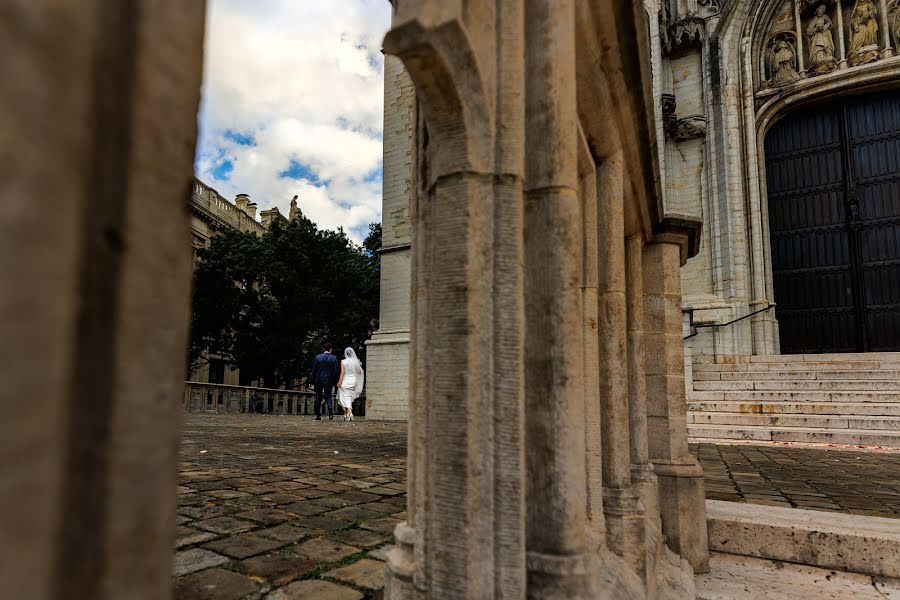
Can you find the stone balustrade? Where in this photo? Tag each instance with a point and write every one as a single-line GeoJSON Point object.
{"type": "Point", "coordinates": [219, 398]}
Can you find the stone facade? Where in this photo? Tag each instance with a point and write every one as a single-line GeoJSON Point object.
{"type": "Point", "coordinates": [210, 214]}
{"type": "Point", "coordinates": [715, 100]}
{"type": "Point", "coordinates": [387, 353]}
{"type": "Point", "coordinates": [722, 87]}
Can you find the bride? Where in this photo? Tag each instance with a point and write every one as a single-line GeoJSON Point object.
{"type": "Point", "coordinates": [350, 384]}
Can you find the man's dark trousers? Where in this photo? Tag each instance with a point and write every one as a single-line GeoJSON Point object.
{"type": "Point", "coordinates": [322, 389]}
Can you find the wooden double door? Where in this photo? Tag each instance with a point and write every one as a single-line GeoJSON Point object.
{"type": "Point", "coordinates": [833, 180]}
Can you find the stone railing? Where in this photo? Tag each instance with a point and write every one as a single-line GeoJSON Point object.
{"type": "Point", "coordinates": [214, 397]}
{"type": "Point", "coordinates": [219, 398]}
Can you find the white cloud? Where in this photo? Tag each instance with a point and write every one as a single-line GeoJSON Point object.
{"type": "Point", "coordinates": [304, 80]}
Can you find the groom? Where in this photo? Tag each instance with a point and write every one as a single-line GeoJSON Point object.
{"type": "Point", "coordinates": [324, 377]}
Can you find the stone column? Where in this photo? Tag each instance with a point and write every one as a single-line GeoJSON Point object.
{"type": "Point", "coordinates": [642, 474]}
{"type": "Point", "coordinates": [98, 148]}
{"type": "Point", "coordinates": [621, 503]}
{"type": "Point", "coordinates": [681, 491]}
{"type": "Point", "coordinates": [842, 54]}
{"type": "Point", "coordinates": [886, 51]}
{"type": "Point", "coordinates": [798, 29]}
{"type": "Point", "coordinates": [559, 562]}
{"type": "Point", "coordinates": [388, 352]}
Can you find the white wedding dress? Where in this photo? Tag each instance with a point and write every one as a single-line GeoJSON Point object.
{"type": "Point", "coordinates": [352, 384]}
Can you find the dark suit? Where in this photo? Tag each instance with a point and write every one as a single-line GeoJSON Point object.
{"type": "Point", "coordinates": [325, 374]}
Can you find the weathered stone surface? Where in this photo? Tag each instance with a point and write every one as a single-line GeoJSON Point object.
{"type": "Point", "coordinates": [243, 546]}
{"type": "Point", "coordinates": [277, 569]}
{"type": "Point", "coordinates": [187, 536]}
{"type": "Point", "coordinates": [325, 550]}
{"type": "Point", "coordinates": [196, 559]}
{"type": "Point", "coordinates": [360, 538]}
{"type": "Point", "coordinates": [315, 588]}
{"type": "Point", "coordinates": [733, 577]}
{"type": "Point", "coordinates": [214, 584]}
{"type": "Point", "coordinates": [225, 525]}
{"type": "Point", "coordinates": [363, 573]}
{"type": "Point", "coordinates": [860, 544]}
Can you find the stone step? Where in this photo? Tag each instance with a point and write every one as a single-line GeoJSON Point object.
{"type": "Point", "coordinates": [732, 576]}
{"type": "Point", "coordinates": [868, 365]}
{"type": "Point", "coordinates": [879, 375]}
{"type": "Point", "coordinates": [799, 396]}
{"type": "Point", "coordinates": [860, 409]}
{"type": "Point", "coordinates": [801, 385]}
{"type": "Point", "coordinates": [854, 543]}
{"type": "Point", "coordinates": [843, 356]}
{"type": "Point", "coordinates": [810, 435]}
{"type": "Point", "coordinates": [736, 419]}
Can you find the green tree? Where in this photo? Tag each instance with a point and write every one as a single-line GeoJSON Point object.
{"type": "Point", "coordinates": [266, 304]}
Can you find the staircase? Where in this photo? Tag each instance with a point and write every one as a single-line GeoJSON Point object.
{"type": "Point", "coordinates": [849, 399]}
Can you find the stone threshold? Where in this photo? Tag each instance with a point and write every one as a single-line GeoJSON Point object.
{"type": "Point", "coordinates": [853, 543]}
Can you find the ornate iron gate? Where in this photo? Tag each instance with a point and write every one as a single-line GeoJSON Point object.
{"type": "Point", "coordinates": [833, 178]}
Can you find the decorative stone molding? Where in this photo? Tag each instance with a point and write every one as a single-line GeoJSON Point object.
{"type": "Point", "coordinates": [682, 30]}
{"type": "Point", "coordinates": [689, 128]}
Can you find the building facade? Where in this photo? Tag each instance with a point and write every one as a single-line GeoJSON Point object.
{"type": "Point", "coordinates": [778, 124]}
{"type": "Point", "coordinates": [210, 214]}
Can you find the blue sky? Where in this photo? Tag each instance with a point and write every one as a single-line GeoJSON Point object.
{"type": "Point", "coordinates": [292, 104]}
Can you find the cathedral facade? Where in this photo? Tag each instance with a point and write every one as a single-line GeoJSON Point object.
{"type": "Point", "coordinates": [778, 124]}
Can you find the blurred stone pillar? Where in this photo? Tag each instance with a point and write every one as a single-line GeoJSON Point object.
{"type": "Point", "coordinates": [97, 145]}
{"type": "Point", "coordinates": [681, 490]}
{"type": "Point", "coordinates": [559, 562]}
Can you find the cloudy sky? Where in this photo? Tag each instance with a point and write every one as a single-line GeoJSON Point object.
{"type": "Point", "coordinates": [292, 104]}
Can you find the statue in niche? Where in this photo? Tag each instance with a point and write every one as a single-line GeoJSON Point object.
{"type": "Point", "coordinates": [782, 61]}
{"type": "Point", "coordinates": [895, 25]}
{"type": "Point", "coordinates": [863, 27]}
{"type": "Point", "coordinates": [821, 44]}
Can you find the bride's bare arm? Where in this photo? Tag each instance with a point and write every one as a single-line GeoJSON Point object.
{"type": "Point", "coordinates": [341, 378]}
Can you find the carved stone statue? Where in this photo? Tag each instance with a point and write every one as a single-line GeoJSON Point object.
{"type": "Point", "coordinates": [821, 44]}
{"type": "Point", "coordinates": [863, 26]}
{"type": "Point", "coordinates": [782, 61]}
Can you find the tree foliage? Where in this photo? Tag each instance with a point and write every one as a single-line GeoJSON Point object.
{"type": "Point", "coordinates": [266, 304]}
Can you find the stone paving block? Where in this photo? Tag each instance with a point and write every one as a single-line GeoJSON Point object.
{"type": "Point", "coordinates": [315, 589]}
{"type": "Point", "coordinates": [323, 523]}
{"type": "Point", "coordinates": [225, 525]}
{"type": "Point", "coordinates": [188, 536]}
{"type": "Point", "coordinates": [385, 508]}
{"type": "Point", "coordinates": [281, 498]}
{"type": "Point", "coordinates": [304, 509]}
{"type": "Point", "coordinates": [244, 546]}
{"type": "Point", "coordinates": [360, 538]}
{"type": "Point", "coordinates": [357, 497]}
{"type": "Point", "coordinates": [365, 573]}
{"type": "Point", "coordinates": [354, 513]}
{"type": "Point", "coordinates": [288, 533]}
{"type": "Point", "coordinates": [196, 559]}
{"type": "Point", "coordinates": [205, 512]}
{"type": "Point", "coordinates": [266, 516]}
{"type": "Point", "coordinates": [227, 494]}
{"type": "Point", "coordinates": [278, 569]}
{"type": "Point", "coordinates": [214, 584]}
{"type": "Point", "coordinates": [325, 550]}
{"type": "Point", "coordinates": [384, 525]}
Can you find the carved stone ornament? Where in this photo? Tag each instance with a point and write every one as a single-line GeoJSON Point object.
{"type": "Point", "coordinates": [820, 43]}
{"type": "Point", "coordinates": [781, 60]}
{"type": "Point", "coordinates": [682, 31]}
{"type": "Point", "coordinates": [668, 104]}
{"type": "Point", "coordinates": [689, 128]}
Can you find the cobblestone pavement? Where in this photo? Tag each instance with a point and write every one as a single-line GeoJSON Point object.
{"type": "Point", "coordinates": [857, 482]}
{"type": "Point", "coordinates": [283, 508]}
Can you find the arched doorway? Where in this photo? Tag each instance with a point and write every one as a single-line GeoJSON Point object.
{"type": "Point", "coordinates": [833, 180]}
